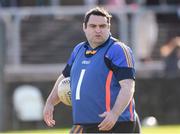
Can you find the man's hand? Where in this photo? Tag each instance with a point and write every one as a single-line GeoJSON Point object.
{"type": "Point", "coordinates": [48, 115]}
{"type": "Point", "coordinates": [108, 122]}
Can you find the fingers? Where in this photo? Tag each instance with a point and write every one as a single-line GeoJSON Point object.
{"type": "Point", "coordinates": [48, 116]}
{"type": "Point", "coordinates": [51, 123]}
{"type": "Point", "coordinates": [107, 123]}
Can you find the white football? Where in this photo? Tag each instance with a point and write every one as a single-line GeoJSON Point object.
{"type": "Point", "coordinates": [64, 91]}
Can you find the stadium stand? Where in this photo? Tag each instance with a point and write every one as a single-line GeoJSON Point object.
{"type": "Point", "coordinates": [49, 39]}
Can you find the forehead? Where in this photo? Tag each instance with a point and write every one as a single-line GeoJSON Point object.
{"type": "Point", "coordinates": [95, 19]}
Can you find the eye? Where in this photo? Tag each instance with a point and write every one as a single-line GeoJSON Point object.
{"type": "Point", "coordinates": [103, 26]}
{"type": "Point", "coordinates": [92, 26]}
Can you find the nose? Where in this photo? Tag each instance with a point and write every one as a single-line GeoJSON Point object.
{"type": "Point", "coordinates": [98, 29]}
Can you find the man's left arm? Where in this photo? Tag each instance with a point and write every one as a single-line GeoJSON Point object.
{"type": "Point", "coordinates": [120, 60]}
{"type": "Point", "coordinates": [124, 97]}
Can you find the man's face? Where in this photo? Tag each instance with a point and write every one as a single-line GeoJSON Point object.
{"type": "Point", "coordinates": [97, 30]}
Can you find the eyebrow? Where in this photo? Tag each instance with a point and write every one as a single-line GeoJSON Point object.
{"type": "Point", "coordinates": [98, 25]}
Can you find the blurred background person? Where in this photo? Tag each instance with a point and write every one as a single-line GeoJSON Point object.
{"type": "Point", "coordinates": [116, 2]}
{"type": "Point", "coordinates": [171, 54]}
{"type": "Point", "coordinates": [90, 2]}
{"type": "Point", "coordinates": [147, 35]}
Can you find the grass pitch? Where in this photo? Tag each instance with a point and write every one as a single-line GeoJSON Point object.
{"type": "Point", "coordinates": [170, 129]}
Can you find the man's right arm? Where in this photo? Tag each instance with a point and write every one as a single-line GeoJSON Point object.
{"type": "Point", "coordinates": [52, 100]}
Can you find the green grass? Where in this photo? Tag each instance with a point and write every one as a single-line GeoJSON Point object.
{"type": "Point", "coordinates": [45, 131]}
{"type": "Point", "coordinates": [170, 129]}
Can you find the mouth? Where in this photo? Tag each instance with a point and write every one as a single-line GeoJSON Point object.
{"type": "Point", "coordinates": [98, 36]}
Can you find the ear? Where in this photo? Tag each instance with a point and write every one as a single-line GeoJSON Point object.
{"type": "Point", "coordinates": [109, 26]}
{"type": "Point", "coordinates": [84, 27]}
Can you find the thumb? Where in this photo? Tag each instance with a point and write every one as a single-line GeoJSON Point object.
{"type": "Point", "coordinates": [103, 114]}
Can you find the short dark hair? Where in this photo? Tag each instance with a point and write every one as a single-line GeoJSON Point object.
{"type": "Point", "coordinates": [99, 12]}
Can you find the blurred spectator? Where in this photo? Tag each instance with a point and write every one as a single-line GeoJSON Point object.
{"type": "Point", "coordinates": [90, 2]}
{"type": "Point", "coordinates": [20, 3]}
{"type": "Point", "coordinates": [132, 1]}
{"type": "Point", "coordinates": [160, 2]}
{"type": "Point", "coordinates": [116, 2]}
{"type": "Point", "coordinates": [146, 34]}
{"type": "Point", "coordinates": [111, 2]}
{"type": "Point", "coordinates": [55, 2]}
{"type": "Point", "coordinates": [4, 3]}
{"type": "Point", "coordinates": [102, 2]}
{"type": "Point", "coordinates": [171, 54]}
{"type": "Point", "coordinates": [40, 2]}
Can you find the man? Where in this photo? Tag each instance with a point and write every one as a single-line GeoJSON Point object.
{"type": "Point", "coordinates": [102, 81]}
{"type": "Point", "coordinates": [170, 51]}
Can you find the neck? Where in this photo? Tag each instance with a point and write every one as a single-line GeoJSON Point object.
{"type": "Point", "coordinates": [94, 45]}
